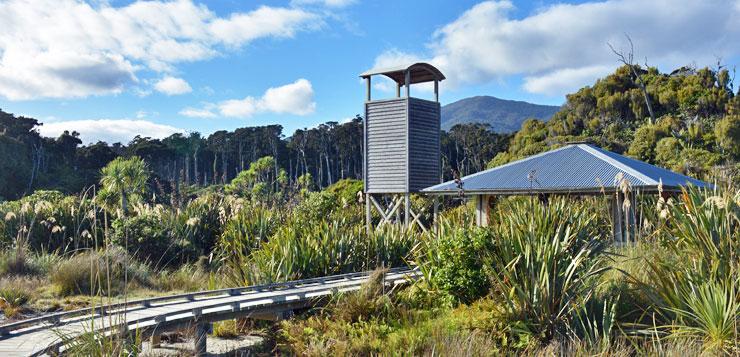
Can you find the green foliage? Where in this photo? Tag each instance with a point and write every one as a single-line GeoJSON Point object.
{"type": "Point", "coordinates": [346, 190]}
{"type": "Point", "coordinates": [244, 232]}
{"type": "Point", "coordinates": [124, 181]}
{"type": "Point", "coordinates": [727, 132]}
{"type": "Point", "coordinates": [668, 153]}
{"type": "Point", "coordinates": [149, 238]}
{"type": "Point", "coordinates": [454, 261]}
{"type": "Point", "coordinates": [546, 263]}
{"type": "Point", "coordinates": [48, 221]}
{"type": "Point", "coordinates": [256, 181]}
{"type": "Point", "coordinates": [696, 289]}
{"type": "Point", "coordinates": [327, 248]}
{"type": "Point", "coordinates": [696, 107]}
{"type": "Point", "coordinates": [643, 145]}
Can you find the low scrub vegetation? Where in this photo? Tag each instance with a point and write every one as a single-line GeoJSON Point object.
{"type": "Point", "coordinates": [544, 278]}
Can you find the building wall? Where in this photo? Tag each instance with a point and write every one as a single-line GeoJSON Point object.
{"type": "Point", "coordinates": [386, 145]}
{"type": "Point", "coordinates": [424, 156]}
{"type": "Point", "coordinates": [391, 139]}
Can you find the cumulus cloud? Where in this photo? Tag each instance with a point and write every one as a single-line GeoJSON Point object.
{"type": "Point", "coordinates": [561, 47]}
{"type": "Point", "coordinates": [326, 3]}
{"type": "Point", "coordinates": [71, 48]}
{"type": "Point", "coordinates": [109, 130]}
{"type": "Point", "coordinates": [197, 113]}
{"type": "Point", "coordinates": [172, 86]}
{"type": "Point", "coordinates": [294, 98]}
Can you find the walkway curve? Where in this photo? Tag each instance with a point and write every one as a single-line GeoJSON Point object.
{"type": "Point", "coordinates": [148, 317]}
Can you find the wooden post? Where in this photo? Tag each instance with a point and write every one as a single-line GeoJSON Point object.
{"type": "Point", "coordinates": [436, 91]}
{"type": "Point", "coordinates": [408, 83]}
{"type": "Point", "coordinates": [368, 215]}
{"type": "Point", "coordinates": [201, 335]}
{"type": "Point", "coordinates": [481, 210]}
{"type": "Point", "coordinates": [617, 218]}
{"type": "Point", "coordinates": [435, 214]}
{"type": "Point", "coordinates": [155, 340]}
{"type": "Point", "coordinates": [367, 82]}
{"type": "Point", "coordinates": [407, 210]}
{"type": "Point", "coordinates": [398, 211]}
{"type": "Point", "coordinates": [398, 90]}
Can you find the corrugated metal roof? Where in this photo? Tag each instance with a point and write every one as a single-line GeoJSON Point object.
{"type": "Point", "coordinates": [577, 168]}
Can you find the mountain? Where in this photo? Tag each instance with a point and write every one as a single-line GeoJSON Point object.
{"type": "Point", "coordinates": [505, 116]}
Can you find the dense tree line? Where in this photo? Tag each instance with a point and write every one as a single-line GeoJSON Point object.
{"type": "Point", "coordinates": [696, 128]}
{"type": "Point", "coordinates": [326, 154]}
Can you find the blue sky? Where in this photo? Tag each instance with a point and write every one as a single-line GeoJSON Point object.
{"type": "Point", "coordinates": [111, 70]}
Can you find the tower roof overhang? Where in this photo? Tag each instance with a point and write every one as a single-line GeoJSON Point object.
{"type": "Point", "coordinates": [420, 72]}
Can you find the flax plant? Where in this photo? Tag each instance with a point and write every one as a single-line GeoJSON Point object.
{"type": "Point", "coordinates": [546, 265]}
{"type": "Point", "coordinates": [695, 290]}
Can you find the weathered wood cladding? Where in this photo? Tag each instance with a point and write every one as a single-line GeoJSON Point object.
{"type": "Point", "coordinates": [402, 145]}
{"type": "Point", "coordinates": [424, 160]}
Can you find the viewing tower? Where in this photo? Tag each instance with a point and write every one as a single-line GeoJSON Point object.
{"type": "Point", "coordinates": [401, 134]}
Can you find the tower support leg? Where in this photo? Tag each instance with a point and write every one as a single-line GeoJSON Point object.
{"type": "Point", "coordinates": [407, 209]}
{"type": "Point", "coordinates": [368, 215]}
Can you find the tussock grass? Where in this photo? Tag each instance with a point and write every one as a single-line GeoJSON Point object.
{"type": "Point", "coordinates": [15, 293]}
{"type": "Point", "coordinates": [104, 272]}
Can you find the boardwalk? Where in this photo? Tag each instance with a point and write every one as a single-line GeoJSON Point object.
{"type": "Point", "coordinates": [151, 317]}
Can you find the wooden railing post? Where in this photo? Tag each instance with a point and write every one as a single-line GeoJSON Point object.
{"type": "Point", "coordinates": [201, 336]}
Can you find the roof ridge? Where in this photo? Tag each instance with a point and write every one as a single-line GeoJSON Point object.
{"type": "Point", "coordinates": [503, 166]}
{"type": "Point", "coordinates": [595, 151]}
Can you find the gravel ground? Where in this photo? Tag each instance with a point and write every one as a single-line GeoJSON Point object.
{"type": "Point", "coordinates": [239, 346]}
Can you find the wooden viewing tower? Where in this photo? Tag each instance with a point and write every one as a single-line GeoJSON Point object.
{"type": "Point", "coordinates": [401, 134]}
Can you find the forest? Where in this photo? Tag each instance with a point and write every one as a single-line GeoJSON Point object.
{"type": "Point", "coordinates": [327, 153]}
{"type": "Point", "coordinates": [90, 225]}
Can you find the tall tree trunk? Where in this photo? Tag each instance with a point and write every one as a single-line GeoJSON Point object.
{"type": "Point", "coordinates": [328, 170]}
{"type": "Point", "coordinates": [215, 173]}
{"type": "Point", "coordinates": [224, 167]}
{"type": "Point", "coordinates": [195, 167]}
{"type": "Point", "coordinates": [124, 202]}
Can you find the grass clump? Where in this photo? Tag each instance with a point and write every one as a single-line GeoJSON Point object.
{"type": "Point", "coordinates": [15, 293]}
{"type": "Point", "coordinates": [99, 271]}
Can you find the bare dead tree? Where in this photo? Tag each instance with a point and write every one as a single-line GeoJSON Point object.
{"type": "Point", "coordinates": [628, 60]}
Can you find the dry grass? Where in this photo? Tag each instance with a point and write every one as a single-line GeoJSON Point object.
{"type": "Point", "coordinates": [15, 293]}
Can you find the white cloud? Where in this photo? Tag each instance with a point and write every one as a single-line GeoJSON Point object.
{"type": "Point", "coordinates": [109, 130]}
{"type": "Point", "coordinates": [566, 80]}
{"type": "Point", "coordinates": [197, 113]}
{"type": "Point", "coordinates": [70, 48]}
{"type": "Point", "coordinates": [564, 46]}
{"type": "Point", "coordinates": [172, 86]}
{"type": "Point", "coordinates": [393, 58]}
{"type": "Point", "coordinates": [295, 98]}
{"type": "Point", "coordinates": [326, 3]}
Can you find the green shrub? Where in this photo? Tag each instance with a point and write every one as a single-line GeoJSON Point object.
{"type": "Point", "coordinates": [227, 329]}
{"type": "Point", "coordinates": [454, 261]}
{"type": "Point", "coordinates": [346, 190]}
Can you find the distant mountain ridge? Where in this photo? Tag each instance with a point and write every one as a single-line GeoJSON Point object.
{"type": "Point", "coordinates": [504, 116]}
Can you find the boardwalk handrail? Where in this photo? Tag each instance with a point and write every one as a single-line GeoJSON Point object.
{"type": "Point", "coordinates": [56, 318]}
